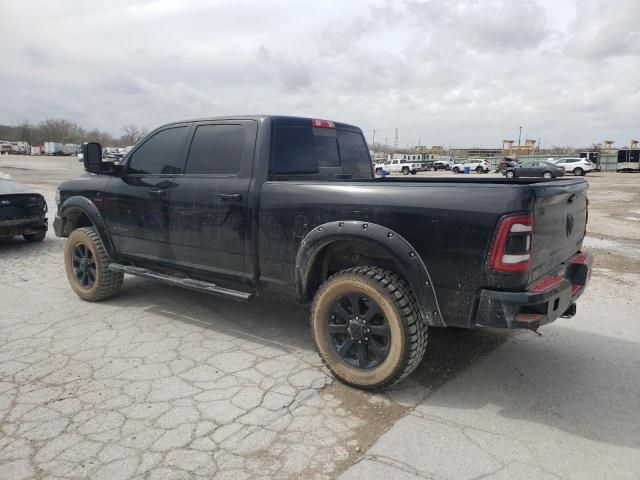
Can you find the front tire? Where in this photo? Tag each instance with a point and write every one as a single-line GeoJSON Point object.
{"type": "Point", "coordinates": [547, 175]}
{"type": "Point", "coordinates": [456, 170]}
{"type": "Point", "coordinates": [509, 174]}
{"type": "Point", "coordinates": [87, 266]}
{"type": "Point", "coordinates": [367, 327]}
{"type": "Point", "coordinates": [405, 170]}
{"type": "Point", "coordinates": [378, 171]}
{"type": "Point", "coordinates": [35, 237]}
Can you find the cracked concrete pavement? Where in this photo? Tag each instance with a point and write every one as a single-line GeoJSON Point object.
{"type": "Point", "coordinates": [163, 383]}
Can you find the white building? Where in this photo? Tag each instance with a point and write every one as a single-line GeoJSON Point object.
{"type": "Point", "coordinates": [410, 157]}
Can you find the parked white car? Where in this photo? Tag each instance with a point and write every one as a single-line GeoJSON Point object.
{"type": "Point", "coordinates": [575, 165]}
{"type": "Point", "coordinates": [478, 165]}
{"type": "Point", "coordinates": [399, 166]}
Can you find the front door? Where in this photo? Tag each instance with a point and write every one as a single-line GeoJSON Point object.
{"type": "Point", "coordinates": [136, 205]}
{"type": "Point", "coordinates": [209, 218]}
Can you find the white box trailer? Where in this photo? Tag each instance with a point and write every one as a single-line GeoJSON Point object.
{"type": "Point", "coordinates": [37, 150]}
{"type": "Point", "coordinates": [69, 149]}
{"type": "Point", "coordinates": [52, 148]}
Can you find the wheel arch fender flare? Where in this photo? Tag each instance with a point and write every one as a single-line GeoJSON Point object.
{"type": "Point", "coordinates": [407, 259]}
{"type": "Point", "coordinates": [78, 204]}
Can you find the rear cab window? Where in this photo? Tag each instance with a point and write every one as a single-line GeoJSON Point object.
{"type": "Point", "coordinates": [318, 152]}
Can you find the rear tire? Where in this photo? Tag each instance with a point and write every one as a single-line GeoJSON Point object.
{"type": "Point", "coordinates": [35, 237]}
{"type": "Point", "coordinates": [342, 314]}
{"type": "Point", "coordinates": [479, 170]}
{"type": "Point", "coordinates": [413, 172]}
{"type": "Point", "coordinates": [87, 266]}
{"type": "Point", "coordinates": [578, 171]}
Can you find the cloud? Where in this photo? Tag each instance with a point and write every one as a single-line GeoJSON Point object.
{"type": "Point", "coordinates": [605, 29]}
{"type": "Point", "coordinates": [457, 72]}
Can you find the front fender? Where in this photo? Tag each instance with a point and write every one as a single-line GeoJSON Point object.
{"type": "Point", "coordinates": [81, 205]}
{"type": "Point", "coordinates": [407, 259]}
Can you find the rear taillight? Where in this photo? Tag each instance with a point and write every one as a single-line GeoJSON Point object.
{"type": "Point", "coordinates": [322, 123]}
{"type": "Point", "coordinates": [511, 249]}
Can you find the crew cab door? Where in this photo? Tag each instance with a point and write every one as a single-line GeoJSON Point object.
{"type": "Point", "coordinates": [209, 218]}
{"type": "Point", "coordinates": [136, 204]}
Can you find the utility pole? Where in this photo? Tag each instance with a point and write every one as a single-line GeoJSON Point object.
{"type": "Point", "coordinates": [519, 136]}
{"type": "Point", "coordinates": [395, 142]}
{"type": "Point", "coordinates": [373, 144]}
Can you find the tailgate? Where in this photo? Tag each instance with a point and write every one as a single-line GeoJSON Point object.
{"type": "Point", "coordinates": [560, 218]}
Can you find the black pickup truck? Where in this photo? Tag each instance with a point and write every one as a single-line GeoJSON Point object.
{"type": "Point", "coordinates": [272, 206]}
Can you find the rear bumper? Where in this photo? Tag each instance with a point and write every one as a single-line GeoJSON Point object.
{"type": "Point", "coordinates": [545, 300]}
{"type": "Point", "coordinates": [23, 226]}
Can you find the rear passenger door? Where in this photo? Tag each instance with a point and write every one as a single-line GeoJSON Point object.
{"type": "Point", "coordinates": [209, 219]}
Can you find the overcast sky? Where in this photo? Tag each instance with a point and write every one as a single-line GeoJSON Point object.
{"type": "Point", "coordinates": [445, 72]}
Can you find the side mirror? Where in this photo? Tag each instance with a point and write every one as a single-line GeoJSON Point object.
{"type": "Point", "coordinates": [92, 157]}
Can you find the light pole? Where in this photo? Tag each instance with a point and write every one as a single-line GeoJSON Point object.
{"type": "Point", "coordinates": [519, 136]}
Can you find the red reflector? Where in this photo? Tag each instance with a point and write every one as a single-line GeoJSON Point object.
{"type": "Point", "coordinates": [528, 317]}
{"type": "Point", "coordinates": [544, 284]}
{"type": "Point", "coordinates": [322, 123]}
{"type": "Point", "coordinates": [580, 258]}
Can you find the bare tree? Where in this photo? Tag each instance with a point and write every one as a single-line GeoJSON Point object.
{"type": "Point", "coordinates": [132, 134]}
{"type": "Point", "coordinates": [25, 131]}
{"type": "Point", "coordinates": [57, 130]}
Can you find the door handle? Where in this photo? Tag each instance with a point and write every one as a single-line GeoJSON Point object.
{"type": "Point", "coordinates": [225, 197]}
{"type": "Point", "coordinates": [157, 192]}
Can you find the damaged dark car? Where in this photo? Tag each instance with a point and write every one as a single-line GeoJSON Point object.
{"type": "Point", "coordinates": [23, 212]}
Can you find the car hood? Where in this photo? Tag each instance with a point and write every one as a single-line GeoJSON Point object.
{"type": "Point", "coordinates": [10, 187]}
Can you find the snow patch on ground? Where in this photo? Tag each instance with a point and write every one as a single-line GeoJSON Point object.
{"type": "Point", "coordinates": [624, 249]}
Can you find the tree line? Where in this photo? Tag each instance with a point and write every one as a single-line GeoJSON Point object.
{"type": "Point", "coordinates": [64, 131]}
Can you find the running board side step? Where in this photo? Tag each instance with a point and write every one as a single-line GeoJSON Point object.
{"type": "Point", "coordinates": [190, 283]}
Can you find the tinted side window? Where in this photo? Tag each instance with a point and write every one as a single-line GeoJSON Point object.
{"type": "Point", "coordinates": [159, 154]}
{"type": "Point", "coordinates": [354, 153]}
{"type": "Point", "coordinates": [216, 149]}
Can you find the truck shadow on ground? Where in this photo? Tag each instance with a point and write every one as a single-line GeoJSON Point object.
{"type": "Point", "coordinates": [547, 380]}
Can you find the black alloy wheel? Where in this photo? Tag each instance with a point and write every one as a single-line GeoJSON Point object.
{"type": "Point", "coordinates": [84, 265]}
{"type": "Point", "coordinates": [358, 331]}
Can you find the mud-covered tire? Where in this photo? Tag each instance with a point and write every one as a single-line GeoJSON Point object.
{"type": "Point", "coordinates": [107, 282]}
{"type": "Point", "coordinates": [35, 237]}
{"type": "Point", "coordinates": [393, 296]}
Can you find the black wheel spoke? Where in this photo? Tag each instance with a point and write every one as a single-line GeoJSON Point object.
{"type": "Point", "coordinates": [362, 355]}
{"type": "Point", "coordinates": [354, 301]}
{"type": "Point", "coordinates": [372, 312]}
{"type": "Point", "coordinates": [341, 311]}
{"type": "Point", "coordinates": [336, 328]}
{"type": "Point", "coordinates": [344, 348]}
{"type": "Point", "coordinates": [378, 350]}
{"type": "Point", "coordinates": [380, 330]}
